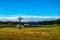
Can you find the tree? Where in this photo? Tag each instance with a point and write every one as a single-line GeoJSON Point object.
{"type": "Point", "coordinates": [58, 21]}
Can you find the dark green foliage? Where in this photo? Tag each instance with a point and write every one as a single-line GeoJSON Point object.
{"type": "Point", "coordinates": [58, 21]}
{"type": "Point", "coordinates": [52, 22]}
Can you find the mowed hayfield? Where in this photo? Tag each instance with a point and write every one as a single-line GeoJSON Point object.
{"type": "Point", "coordinates": [30, 33]}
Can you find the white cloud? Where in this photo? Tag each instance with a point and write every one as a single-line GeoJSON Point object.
{"type": "Point", "coordinates": [40, 16]}
{"type": "Point", "coordinates": [27, 18]}
{"type": "Point", "coordinates": [14, 17]}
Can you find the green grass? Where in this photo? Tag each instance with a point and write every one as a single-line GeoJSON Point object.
{"type": "Point", "coordinates": [30, 33]}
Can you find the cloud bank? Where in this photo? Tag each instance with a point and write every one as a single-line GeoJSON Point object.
{"type": "Point", "coordinates": [29, 18]}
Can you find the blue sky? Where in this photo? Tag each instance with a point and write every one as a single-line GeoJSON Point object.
{"type": "Point", "coordinates": [30, 7]}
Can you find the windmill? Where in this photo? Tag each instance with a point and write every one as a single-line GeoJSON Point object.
{"type": "Point", "coordinates": [20, 18]}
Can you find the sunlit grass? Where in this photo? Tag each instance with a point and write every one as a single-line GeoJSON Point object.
{"type": "Point", "coordinates": [30, 33]}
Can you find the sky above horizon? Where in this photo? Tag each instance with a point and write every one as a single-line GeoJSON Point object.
{"type": "Point", "coordinates": [30, 7]}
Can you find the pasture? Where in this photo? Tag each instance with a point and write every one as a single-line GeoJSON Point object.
{"type": "Point", "coordinates": [30, 33]}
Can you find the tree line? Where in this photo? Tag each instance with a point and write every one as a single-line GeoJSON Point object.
{"type": "Point", "coordinates": [57, 21]}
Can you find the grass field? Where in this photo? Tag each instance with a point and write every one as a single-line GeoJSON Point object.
{"type": "Point", "coordinates": [30, 33]}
